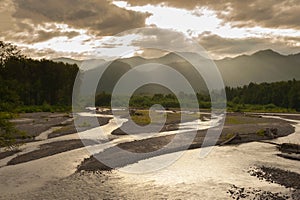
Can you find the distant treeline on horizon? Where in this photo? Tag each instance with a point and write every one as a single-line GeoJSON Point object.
{"type": "Point", "coordinates": [284, 94]}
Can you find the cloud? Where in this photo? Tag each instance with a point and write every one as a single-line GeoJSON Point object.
{"type": "Point", "coordinates": [246, 13]}
{"type": "Point", "coordinates": [219, 47]}
{"type": "Point", "coordinates": [191, 4]}
{"type": "Point", "coordinates": [163, 39]}
{"type": "Point", "coordinates": [153, 42]}
{"type": "Point", "coordinates": [35, 21]}
{"type": "Point", "coordinates": [35, 36]}
{"type": "Point", "coordinates": [32, 21]}
{"type": "Point", "coordinates": [98, 16]}
{"type": "Point", "coordinates": [49, 53]}
{"type": "Point", "coordinates": [151, 53]}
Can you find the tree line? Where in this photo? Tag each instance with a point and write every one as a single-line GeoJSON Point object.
{"type": "Point", "coordinates": [284, 94]}
{"type": "Point", "coordinates": [27, 82]}
{"type": "Point", "coordinates": [146, 101]}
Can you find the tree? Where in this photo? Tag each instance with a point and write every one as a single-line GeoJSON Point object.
{"type": "Point", "coordinates": [294, 96]}
{"type": "Point", "coordinates": [7, 51]}
{"type": "Point", "coordinates": [8, 133]}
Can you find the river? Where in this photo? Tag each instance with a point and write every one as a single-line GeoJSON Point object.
{"type": "Point", "coordinates": [190, 177]}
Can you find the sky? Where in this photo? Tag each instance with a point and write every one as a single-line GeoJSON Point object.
{"type": "Point", "coordinates": [82, 29]}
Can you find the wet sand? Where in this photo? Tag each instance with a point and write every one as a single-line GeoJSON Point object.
{"type": "Point", "coordinates": [33, 124]}
{"type": "Point", "coordinates": [149, 147]}
{"type": "Point", "coordinates": [49, 149]}
{"type": "Point", "coordinates": [246, 133]}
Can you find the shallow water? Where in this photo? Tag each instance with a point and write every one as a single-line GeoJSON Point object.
{"type": "Point", "coordinates": [190, 177]}
{"type": "Point", "coordinates": [32, 175]}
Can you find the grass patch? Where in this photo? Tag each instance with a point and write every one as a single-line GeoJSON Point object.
{"type": "Point", "coordinates": [42, 108]}
{"type": "Point", "coordinates": [228, 136]}
{"type": "Point", "coordinates": [236, 120]}
{"type": "Point", "coordinates": [85, 124]}
{"type": "Point", "coordinates": [142, 117]}
{"type": "Point", "coordinates": [234, 107]}
{"type": "Point", "coordinates": [261, 132]}
{"type": "Point", "coordinates": [8, 133]}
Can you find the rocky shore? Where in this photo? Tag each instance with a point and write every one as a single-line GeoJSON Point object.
{"type": "Point", "coordinates": [284, 178]}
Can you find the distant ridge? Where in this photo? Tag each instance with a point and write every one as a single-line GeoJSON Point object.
{"type": "Point", "coordinates": [262, 66]}
{"type": "Point", "coordinates": [266, 52]}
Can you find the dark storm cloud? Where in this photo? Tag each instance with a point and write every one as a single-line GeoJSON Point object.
{"type": "Point", "coordinates": [246, 13]}
{"type": "Point", "coordinates": [98, 16]}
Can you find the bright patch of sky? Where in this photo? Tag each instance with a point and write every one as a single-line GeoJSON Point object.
{"type": "Point", "coordinates": [106, 47]}
{"type": "Point", "coordinates": [195, 22]}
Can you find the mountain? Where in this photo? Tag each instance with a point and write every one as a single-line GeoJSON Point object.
{"type": "Point", "coordinates": [166, 59]}
{"type": "Point", "coordinates": [262, 66]}
{"type": "Point", "coordinates": [109, 76]}
{"type": "Point", "coordinates": [154, 67]}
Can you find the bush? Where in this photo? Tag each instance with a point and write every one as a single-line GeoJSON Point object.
{"type": "Point", "coordinates": [261, 132]}
{"type": "Point", "coordinates": [8, 133]}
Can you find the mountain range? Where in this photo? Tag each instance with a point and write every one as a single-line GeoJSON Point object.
{"type": "Point", "coordinates": [262, 66]}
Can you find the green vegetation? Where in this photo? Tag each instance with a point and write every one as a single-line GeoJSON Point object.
{"type": "Point", "coordinates": [8, 134]}
{"type": "Point", "coordinates": [145, 101]}
{"type": "Point", "coordinates": [169, 101]}
{"type": "Point", "coordinates": [234, 107]}
{"type": "Point", "coordinates": [261, 132]}
{"type": "Point", "coordinates": [233, 120]}
{"type": "Point", "coordinates": [265, 97]}
{"type": "Point", "coordinates": [142, 117]}
{"type": "Point", "coordinates": [63, 129]}
{"type": "Point", "coordinates": [239, 119]}
{"type": "Point", "coordinates": [42, 108]}
{"type": "Point", "coordinates": [278, 97]}
{"type": "Point", "coordinates": [228, 136]}
{"type": "Point", "coordinates": [28, 85]}
{"type": "Point", "coordinates": [85, 124]}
